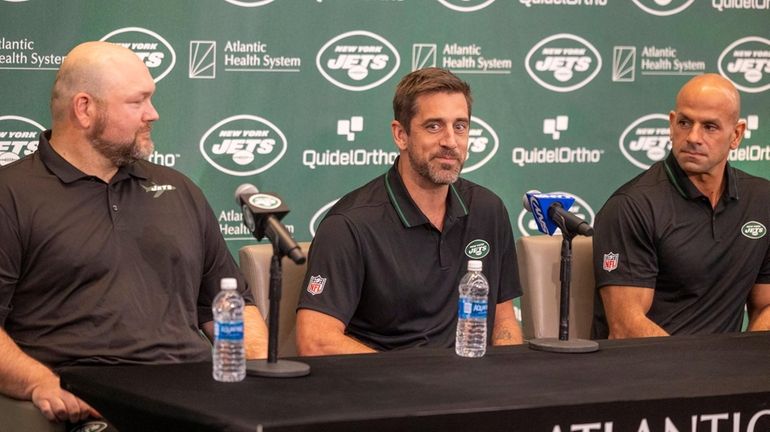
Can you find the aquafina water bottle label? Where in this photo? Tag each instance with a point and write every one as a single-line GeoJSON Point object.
{"type": "Point", "coordinates": [228, 331]}
{"type": "Point", "coordinates": [467, 308]}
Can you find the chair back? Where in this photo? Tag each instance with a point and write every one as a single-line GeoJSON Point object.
{"type": "Point", "coordinates": [18, 415]}
{"type": "Point", "coordinates": [539, 268]}
{"type": "Point", "coordinates": [255, 265]}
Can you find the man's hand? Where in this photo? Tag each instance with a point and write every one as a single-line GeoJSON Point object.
{"type": "Point", "coordinates": [57, 404]}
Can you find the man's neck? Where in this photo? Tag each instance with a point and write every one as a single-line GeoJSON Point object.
{"type": "Point", "coordinates": [429, 197]}
{"type": "Point", "coordinates": [83, 156]}
{"type": "Point", "coordinates": [711, 186]}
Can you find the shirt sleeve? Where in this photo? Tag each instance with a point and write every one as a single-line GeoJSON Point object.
{"type": "Point", "coordinates": [510, 284]}
{"type": "Point", "coordinates": [218, 263]}
{"type": "Point", "coordinates": [764, 273]}
{"type": "Point", "coordinates": [335, 272]}
{"type": "Point", "coordinates": [624, 247]}
{"type": "Point", "coordinates": [10, 254]}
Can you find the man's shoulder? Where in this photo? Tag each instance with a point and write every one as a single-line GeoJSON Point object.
{"type": "Point", "coordinates": [650, 183]}
{"type": "Point", "coordinates": [18, 168]}
{"type": "Point", "coordinates": [160, 180]}
{"type": "Point", "coordinates": [159, 175]}
{"type": "Point", "coordinates": [363, 199]}
{"type": "Point", "coordinates": [476, 194]}
{"type": "Point", "coordinates": [153, 170]}
{"type": "Point", "coordinates": [753, 183]}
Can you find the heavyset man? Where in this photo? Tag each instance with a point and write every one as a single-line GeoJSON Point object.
{"type": "Point", "coordinates": [105, 257]}
{"type": "Point", "coordinates": [683, 247]}
{"type": "Point", "coordinates": [386, 261]}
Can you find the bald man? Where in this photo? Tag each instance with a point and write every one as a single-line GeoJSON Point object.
{"type": "Point", "coordinates": [105, 258]}
{"type": "Point", "coordinates": [683, 247]}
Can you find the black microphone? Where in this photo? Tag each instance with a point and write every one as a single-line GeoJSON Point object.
{"type": "Point", "coordinates": [556, 206]}
{"type": "Point", "coordinates": [262, 213]}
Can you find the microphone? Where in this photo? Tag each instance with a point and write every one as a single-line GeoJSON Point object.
{"type": "Point", "coordinates": [262, 213]}
{"type": "Point", "coordinates": [556, 214]}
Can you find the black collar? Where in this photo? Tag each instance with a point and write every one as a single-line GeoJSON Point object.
{"type": "Point", "coordinates": [684, 186]}
{"type": "Point", "coordinates": [407, 210]}
{"type": "Point", "coordinates": [67, 173]}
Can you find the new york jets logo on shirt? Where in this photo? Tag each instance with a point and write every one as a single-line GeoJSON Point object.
{"type": "Point", "coordinates": [158, 189]}
{"type": "Point", "coordinates": [753, 230]}
{"type": "Point", "coordinates": [477, 249]}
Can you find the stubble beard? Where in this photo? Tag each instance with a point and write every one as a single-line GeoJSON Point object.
{"type": "Point", "coordinates": [436, 173]}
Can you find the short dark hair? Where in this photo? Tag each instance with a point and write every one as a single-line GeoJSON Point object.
{"type": "Point", "coordinates": [425, 81]}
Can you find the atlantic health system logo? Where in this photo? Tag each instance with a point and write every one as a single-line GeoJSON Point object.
{"type": "Point", "coordinates": [357, 60]}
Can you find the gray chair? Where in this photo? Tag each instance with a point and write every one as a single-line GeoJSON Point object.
{"type": "Point", "coordinates": [17, 415]}
{"type": "Point", "coordinates": [539, 263]}
{"type": "Point", "coordinates": [255, 265]}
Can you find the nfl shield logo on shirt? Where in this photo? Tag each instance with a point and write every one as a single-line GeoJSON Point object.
{"type": "Point", "coordinates": [610, 261]}
{"type": "Point", "coordinates": [316, 284]}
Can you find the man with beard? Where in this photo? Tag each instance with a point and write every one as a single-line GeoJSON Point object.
{"type": "Point", "coordinates": [105, 257]}
{"type": "Point", "coordinates": [683, 247]}
{"type": "Point", "coordinates": [385, 264]}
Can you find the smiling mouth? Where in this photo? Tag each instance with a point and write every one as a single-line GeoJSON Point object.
{"type": "Point", "coordinates": [446, 157]}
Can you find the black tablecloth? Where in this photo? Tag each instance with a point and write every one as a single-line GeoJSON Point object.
{"type": "Point", "coordinates": [721, 381]}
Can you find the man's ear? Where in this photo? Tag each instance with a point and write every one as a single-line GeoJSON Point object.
{"type": "Point", "coordinates": [84, 109]}
{"type": "Point", "coordinates": [400, 136]}
{"type": "Point", "coordinates": [740, 129]}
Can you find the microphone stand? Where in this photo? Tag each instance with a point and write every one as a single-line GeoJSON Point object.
{"type": "Point", "coordinates": [272, 367]}
{"type": "Point", "coordinates": [563, 343]}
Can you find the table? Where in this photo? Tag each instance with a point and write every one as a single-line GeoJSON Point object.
{"type": "Point", "coordinates": [683, 383]}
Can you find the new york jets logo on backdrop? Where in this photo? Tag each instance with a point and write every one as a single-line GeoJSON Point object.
{"type": "Point", "coordinates": [246, 3]}
{"type": "Point", "coordinates": [155, 51]}
{"type": "Point", "coordinates": [466, 5]}
{"type": "Point", "coordinates": [646, 140]}
{"type": "Point", "coordinates": [357, 60]}
{"type": "Point", "coordinates": [477, 249]}
{"type": "Point", "coordinates": [753, 230]}
{"type": "Point", "coordinates": [243, 145]}
{"type": "Point", "coordinates": [18, 137]}
{"type": "Point", "coordinates": [663, 7]}
{"type": "Point", "coordinates": [482, 144]}
{"type": "Point", "coordinates": [319, 215]}
{"type": "Point", "coordinates": [563, 62]}
{"type": "Point", "coordinates": [746, 62]}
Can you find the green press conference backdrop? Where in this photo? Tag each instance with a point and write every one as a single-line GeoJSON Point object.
{"type": "Point", "coordinates": [294, 96]}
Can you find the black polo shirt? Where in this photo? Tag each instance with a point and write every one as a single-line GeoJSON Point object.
{"type": "Point", "coordinates": [91, 272]}
{"type": "Point", "coordinates": [378, 265]}
{"type": "Point", "coordinates": [701, 262]}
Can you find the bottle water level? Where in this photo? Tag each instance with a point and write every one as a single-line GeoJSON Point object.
{"type": "Point", "coordinates": [228, 361]}
{"type": "Point", "coordinates": [471, 338]}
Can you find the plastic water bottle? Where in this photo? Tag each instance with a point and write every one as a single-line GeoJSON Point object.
{"type": "Point", "coordinates": [228, 352]}
{"type": "Point", "coordinates": [471, 339]}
